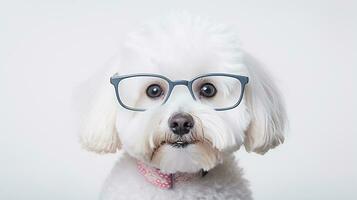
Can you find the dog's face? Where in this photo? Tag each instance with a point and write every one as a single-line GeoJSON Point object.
{"type": "Point", "coordinates": [185, 128]}
{"type": "Point", "coordinates": [186, 133]}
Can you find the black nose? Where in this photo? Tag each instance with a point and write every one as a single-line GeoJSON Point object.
{"type": "Point", "coordinates": [181, 123]}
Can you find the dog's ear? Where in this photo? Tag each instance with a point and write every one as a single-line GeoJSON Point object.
{"type": "Point", "coordinates": [98, 132]}
{"type": "Point", "coordinates": [267, 112]}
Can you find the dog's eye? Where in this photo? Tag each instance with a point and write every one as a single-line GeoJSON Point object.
{"type": "Point", "coordinates": [208, 90]}
{"type": "Point", "coordinates": [154, 91]}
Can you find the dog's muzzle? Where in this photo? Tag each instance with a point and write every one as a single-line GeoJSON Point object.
{"type": "Point", "coordinates": [181, 123]}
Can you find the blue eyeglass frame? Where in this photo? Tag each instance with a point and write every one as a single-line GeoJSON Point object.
{"type": "Point", "coordinates": [116, 78]}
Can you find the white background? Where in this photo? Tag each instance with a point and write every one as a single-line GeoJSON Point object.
{"type": "Point", "coordinates": [46, 49]}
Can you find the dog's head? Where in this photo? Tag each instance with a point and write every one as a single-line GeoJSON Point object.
{"type": "Point", "coordinates": [190, 124]}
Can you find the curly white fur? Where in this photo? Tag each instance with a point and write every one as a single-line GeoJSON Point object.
{"type": "Point", "coordinates": [182, 47]}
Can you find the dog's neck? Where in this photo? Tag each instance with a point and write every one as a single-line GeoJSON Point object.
{"type": "Point", "coordinates": [166, 180]}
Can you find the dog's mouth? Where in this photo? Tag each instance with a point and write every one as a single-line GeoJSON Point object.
{"type": "Point", "coordinates": [178, 143]}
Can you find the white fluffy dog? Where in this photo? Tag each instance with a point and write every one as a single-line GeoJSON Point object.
{"type": "Point", "coordinates": [184, 99]}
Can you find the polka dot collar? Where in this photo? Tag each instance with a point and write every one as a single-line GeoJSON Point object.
{"type": "Point", "coordinates": [165, 180]}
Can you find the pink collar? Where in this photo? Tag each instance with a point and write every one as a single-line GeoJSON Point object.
{"type": "Point", "coordinates": [163, 180]}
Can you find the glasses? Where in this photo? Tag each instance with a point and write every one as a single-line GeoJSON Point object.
{"type": "Point", "coordinates": [139, 92]}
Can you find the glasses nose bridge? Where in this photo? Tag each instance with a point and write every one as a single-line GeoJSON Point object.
{"type": "Point", "coordinates": [180, 82]}
{"type": "Point", "coordinates": [184, 83]}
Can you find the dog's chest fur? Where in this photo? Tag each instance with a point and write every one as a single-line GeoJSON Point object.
{"type": "Point", "coordinates": [223, 182]}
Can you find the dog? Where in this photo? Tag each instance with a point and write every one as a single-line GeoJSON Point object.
{"type": "Point", "coordinates": [181, 100]}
